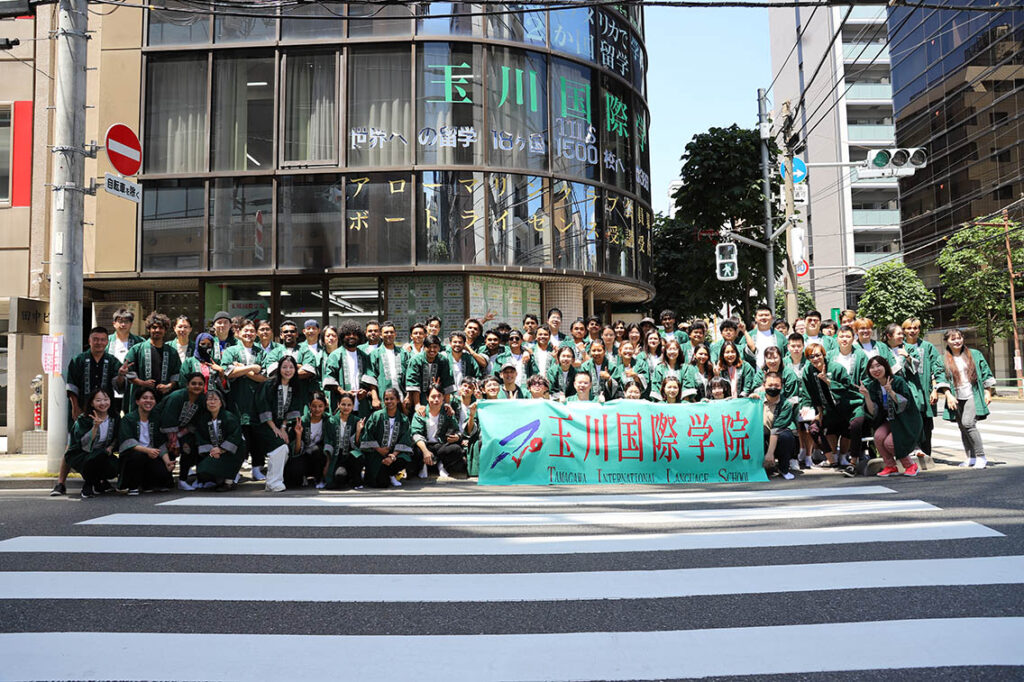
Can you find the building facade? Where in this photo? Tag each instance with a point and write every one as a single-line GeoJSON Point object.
{"type": "Point", "coordinates": [334, 161]}
{"type": "Point", "coordinates": [850, 223]}
{"type": "Point", "coordinates": [958, 87]}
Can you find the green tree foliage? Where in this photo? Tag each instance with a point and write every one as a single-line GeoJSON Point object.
{"type": "Point", "coordinates": [973, 271]}
{"type": "Point", "coordinates": [721, 177]}
{"type": "Point", "coordinates": [892, 293]}
{"type": "Point", "coordinates": [804, 301]}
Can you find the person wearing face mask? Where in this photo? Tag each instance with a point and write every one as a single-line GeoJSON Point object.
{"type": "Point", "coordinates": [780, 441]}
{"type": "Point", "coordinates": [202, 362]}
{"type": "Point", "coordinates": [971, 389]}
{"type": "Point", "coordinates": [897, 421]}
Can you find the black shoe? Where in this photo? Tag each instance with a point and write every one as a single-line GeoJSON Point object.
{"type": "Point", "coordinates": [87, 491]}
{"type": "Point", "coordinates": [849, 471]}
{"type": "Point", "coordinates": [103, 486]}
{"type": "Point", "coordinates": [58, 490]}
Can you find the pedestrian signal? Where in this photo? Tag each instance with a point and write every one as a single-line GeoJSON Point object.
{"type": "Point", "coordinates": [726, 266]}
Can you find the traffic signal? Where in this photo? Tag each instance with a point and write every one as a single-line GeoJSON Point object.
{"type": "Point", "coordinates": [726, 266]}
{"type": "Point", "coordinates": [901, 157]}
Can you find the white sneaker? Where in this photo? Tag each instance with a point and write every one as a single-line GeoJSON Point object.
{"type": "Point", "coordinates": [794, 465]}
{"type": "Point", "coordinates": [980, 463]}
{"type": "Point", "coordinates": [395, 483]}
{"type": "Point", "coordinates": [844, 461]}
{"type": "Point", "coordinates": [185, 485]}
{"type": "Point", "coordinates": [788, 476]}
{"type": "Point", "coordinates": [442, 472]}
{"type": "Point", "coordinates": [208, 485]}
{"type": "Point", "coordinates": [321, 485]}
{"type": "Point", "coordinates": [258, 475]}
{"type": "Point", "coordinates": [423, 472]}
{"type": "Point", "coordinates": [969, 462]}
{"type": "Point", "coordinates": [279, 488]}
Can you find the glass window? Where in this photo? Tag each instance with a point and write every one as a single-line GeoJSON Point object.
{"type": "Point", "coordinates": [313, 20]}
{"type": "Point", "coordinates": [446, 25]}
{"type": "Point", "coordinates": [248, 29]}
{"type": "Point", "coordinates": [450, 96]}
{"type": "Point", "coordinates": [301, 302]}
{"type": "Point", "coordinates": [616, 130]}
{"type": "Point", "coordinates": [243, 113]}
{"type": "Point", "coordinates": [5, 154]}
{"type": "Point", "coordinates": [619, 238]}
{"type": "Point", "coordinates": [241, 223]}
{"type": "Point", "coordinates": [613, 43]}
{"type": "Point", "coordinates": [378, 209]}
{"type": "Point", "coordinates": [173, 221]}
{"type": "Point", "coordinates": [642, 150]}
{"type": "Point", "coordinates": [399, 23]}
{"type": "Point", "coordinates": [251, 299]}
{"type": "Point", "coordinates": [518, 221]}
{"type": "Point", "coordinates": [642, 231]}
{"type": "Point", "coordinates": [450, 228]}
{"type": "Point", "coordinates": [175, 115]}
{"type": "Point", "coordinates": [639, 65]}
{"type": "Point", "coordinates": [354, 298]}
{"type": "Point", "coordinates": [167, 27]}
{"type": "Point", "coordinates": [574, 217]}
{"type": "Point", "coordinates": [380, 107]}
{"type": "Point", "coordinates": [309, 222]}
{"type": "Point", "coordinates": [310, 117]}
{"type": "Point", "coordinates": [572, 31]}
{"type": "Point", "coordinates": [517, 109]}
{"type": "Point", "coordinates": [518, 24]}
{"type": "Point", "coordinates": [574, 119]}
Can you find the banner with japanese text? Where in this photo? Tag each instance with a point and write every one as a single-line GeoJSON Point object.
{"type": "Point", "coordinates": [540, 442]}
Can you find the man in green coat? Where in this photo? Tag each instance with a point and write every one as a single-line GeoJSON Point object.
{"type": "Point", "coordinates": [427, 369]}
{"type": "Point", "coordinates": [348, 367]}
{"type": "Point", "coordinates": [152, 363]}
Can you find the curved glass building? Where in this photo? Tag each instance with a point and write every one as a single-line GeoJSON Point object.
{"type": "Point", "coordinates": [368, 161]}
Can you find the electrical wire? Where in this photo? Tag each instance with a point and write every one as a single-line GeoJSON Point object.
{"type": "Point", "coordinates": [792, 50]}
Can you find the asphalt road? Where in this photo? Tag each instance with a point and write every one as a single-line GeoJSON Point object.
{"type": "Point", "coordinates": [452, 593]}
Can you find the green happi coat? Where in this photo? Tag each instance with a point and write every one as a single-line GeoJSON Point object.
{"type": "Point", "coordinates": [378, 433]}
{"type": "Point", "coordinates": [716, 347]}
{"type": "Point", "coordinates": [133, 340]}
{"type": "Point", "coordinates": [129, 436]}
{"type": "Point", "coordinates": [642, 378]}
{"type": "Point", "coordinates": [328, 437]}
{"type": "Point", "coordinates": [281, 405]}
{"type": "Point", "coordinates": [465, 366]}
{"type": "Point", "coordinates": [446, 425]}
{"type": "Point", "coordinates": [746, 382]}
{"type": "Point", "coordinates": [985, 380]}
{"type": "Point", "coordinates": [387, 369]}
{"type": "Point", "coordinates": [840, 402]}
{"type": "Point", "coordinates": [190, 347]}
{"type": "Point", "coordinates": [750, 356]}
{"type": "Point", "coordinates": [214, 377]}
{"type": "Point", "coordinates": [341, 377]}
{"type": "Point", "coordinates": [525, 367]}
{"type": "Point", "coordinates": [663, 370]}
{"type": "Point", "coordinates": [912, 369]}
{"type": "Point", "coordinates": [149, 362]}
{"type": "Point", "coordinates": [421, 375]}
{"type": "Point", "coordinates": [933, 372]}
{"type": "Point", "coordinates": [304, 358]}
{"type": "Point", "coordinates": [791, 384]}
{"type": "Point", "coordinates": [85, 446]}
{"type": "Point", "coordinates": [561, 387]}
{"type": "Point", "coordinates": [857, 373]}
{"type": "Point", "coordinates": [472, 436]}
{"type": "Point", "coordinates": [542, 359]}
{"type": "Point", "coordinates": [828, 342]}
{"type": "Point", "coordinates": [85, 374]}
{"type": "Point", "coordinates": [242, 394]}
{"type": "Point", "coordinates": [225, 433]}
{"type": "Point", "coordinates": [610, 388]}
{"type": "Point", "coordinates": [176, 414]}
{"type": "Point", "coordinates": [901, 413]}
{"type": "Point", "coordinates": [879, 348]}
{"type": "Point", "coordinates": [221, 347]}
{"type": "Point", "coordinates": [785, 415]}
{"type": "Point", "coordinates": [345, 442]}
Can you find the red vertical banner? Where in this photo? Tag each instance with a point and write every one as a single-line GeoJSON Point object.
{"type": "Point", "coordinates": [21, 154]}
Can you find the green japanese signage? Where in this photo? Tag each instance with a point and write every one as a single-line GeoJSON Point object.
{"type": "Point", "coordinates": [625, 441]}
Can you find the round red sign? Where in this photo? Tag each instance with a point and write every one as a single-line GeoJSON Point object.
{"type": "Point", "coordinates": [123, 149]}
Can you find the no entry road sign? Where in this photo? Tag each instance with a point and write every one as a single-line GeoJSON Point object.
{"type": "Point", "coordinates": [123, 149]}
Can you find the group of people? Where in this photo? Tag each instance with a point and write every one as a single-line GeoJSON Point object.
{"type": "Point", "coordinates": [350, 406]}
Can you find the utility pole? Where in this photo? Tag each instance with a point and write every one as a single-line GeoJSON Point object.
{"type": "Point", "coordinates": [791, 279]}
{"type": "Point", "coordinates": [67, 211]}
{"type": "Point", "coordinates": [766, 185]}
{"type": "Point", "coordinates": [1013, 307]}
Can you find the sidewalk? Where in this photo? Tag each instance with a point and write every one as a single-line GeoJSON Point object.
{"type": "Point", "coordinates": [24, 468]}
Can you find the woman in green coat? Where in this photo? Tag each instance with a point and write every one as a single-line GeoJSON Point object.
{"type": "Point", "coordinates": [93, 438]}
{"type": "Point", "coordinates": [178, 413]}
{"type": "Point", "coordinates": [827, 390]}
{"type": "Point", "coordinates": [144, 464]}
{"type": "Point", "coordinates": [463, 406]}
{"type": "Point", "coordinates": [673, 364]}
{"type": "Point", "coordinates": [387, 444]}
{"type": "Point", "coordinates": [345, 465]}
{"type": "Point", "coordinates": [246, 365]}
{"type": "Point", "coordinates": [562, 376]}
{"type": "Point", "coordinates": [221, 444]}
{"type": "Point", "coordinates": [971, 387]}
{"type": "Point", "coordinates": [312, 447]}
{"type": "Point", "coordinates": [201, 362]}
{"type": "Point", "coordinates": [890, 402]}
{"type": "Point", "coordinates": [739, 374]}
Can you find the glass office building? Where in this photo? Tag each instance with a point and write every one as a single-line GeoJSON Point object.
{"type": "Point", "coordinates": [364, 161]}
{"type": "Point", "coordinates": [958, 90]}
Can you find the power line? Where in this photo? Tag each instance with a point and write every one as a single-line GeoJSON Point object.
{"type": "Point", "coordinates": [792, 50]}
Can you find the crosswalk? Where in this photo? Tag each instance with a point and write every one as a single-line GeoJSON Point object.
{"type": "Point", "coordinates": [1001, 433]}
{"type": "Point", "coordinates": [471, 585]}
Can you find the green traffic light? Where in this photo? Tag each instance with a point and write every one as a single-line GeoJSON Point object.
{"type": "Point", "coordinates": [881, 159]}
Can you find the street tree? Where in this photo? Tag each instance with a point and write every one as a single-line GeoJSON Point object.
{"type": "Point", "coordinates": [973, 270]}
{"type": "Point", "coordinates": [721, 177]}
{"type": "Point", "coordinates": [892, 293]}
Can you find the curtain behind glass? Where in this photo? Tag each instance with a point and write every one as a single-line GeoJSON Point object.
{"type": "Point", "coordinates": [5, 154]}
{"type": "Point", "coordinates": [176, 115]}
{"type": "Point", "coordinates": [242, 113]}
{"type": "Point", "coordinates": [310, 119]}
{"type": "Point", "coordinates": [380, 110]}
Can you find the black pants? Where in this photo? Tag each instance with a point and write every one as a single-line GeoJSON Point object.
{"type": "Point", "coordinates": [926, 435]}
{"type": "Point", "coordinates": [139, 470]}
{"type": "Point", "coordinates": [450, 454]}
{"type": "Point", "coordinates": [307, 465]}
{"type": "Point", "coordinates": [859, 427]}
{"type": "Point", "coordinates": [188, 455]}
{"type": "Point", "coordinates": [97, 469]}
{"type": "Point", "coordinates": [786, 446]}
{"type": "Point", "coordinates": [257, 455]}
{"type": "Point", "coordinates": [833, 423]}
{"type": "Point", "coordinates": [353, 471]}
{"type": "Point", "coordinates": [382, 479]}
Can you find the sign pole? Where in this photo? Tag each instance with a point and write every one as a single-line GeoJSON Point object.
{"type": "Point", "coordinates": [67, 211]}
{"type": "Point", "coordinates": [766, 188]}
{"type": "Point", "coordinates": [791, 278]}
{"type": "Point", "coordinates": [1013, 308]}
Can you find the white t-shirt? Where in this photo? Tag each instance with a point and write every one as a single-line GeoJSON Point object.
{"type": "Point", "coordinates": [763, 340]}
{"type": "Point", "coordinates": [964, 390]}
{"type": "Point", "coordinates": [316, 431]}
{"type": "Point", "coordinates": [144, 439]}
{"type": "Point", "coordinates": [352, 369]}
{"type": "Point", "coordinates": [432, 427]}
{"type": "Point", "coordinates": [846, 361]}
{"type": "Point", "coordinates": [871, 349]}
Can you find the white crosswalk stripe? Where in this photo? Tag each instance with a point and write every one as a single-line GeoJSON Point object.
{"type": "Point", "coordinates": [1002, 429]}
{"type": "Point", "coordinates": [320, 550]}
